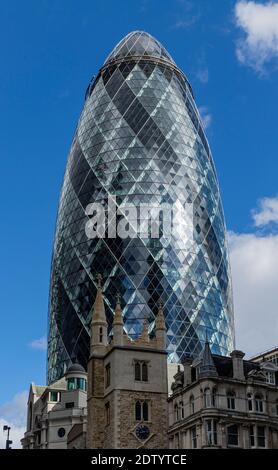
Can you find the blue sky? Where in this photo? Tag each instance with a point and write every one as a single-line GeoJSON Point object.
{"type": "Point", "coordinates": [49, 51]}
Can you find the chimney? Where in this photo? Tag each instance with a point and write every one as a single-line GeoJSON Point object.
{"type": "Point", "coordinates": [187, 371]}
{"type": "Point", "coordinates": [238, 371]}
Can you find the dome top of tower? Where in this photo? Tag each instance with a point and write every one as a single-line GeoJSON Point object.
{"type": "Point", "coordinates": [75, 367]}
{"type": "Point", "coordinates": [139, 43]}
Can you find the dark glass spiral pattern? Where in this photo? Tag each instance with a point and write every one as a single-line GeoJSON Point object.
{"type": "Point", "coordinates": [140, 138]}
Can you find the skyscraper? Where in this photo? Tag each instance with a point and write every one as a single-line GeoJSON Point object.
{"type": "Point", "coordinates": [140, 140]}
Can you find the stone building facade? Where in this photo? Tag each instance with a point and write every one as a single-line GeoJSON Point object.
{"type": "Point", "coordinates": [76, 438]}
{"type": "Point", "coordinates": [271, 355]}
{"type": "Point", "coordinates": [224, 402]}
{"type": "Point", "coordinates": [127, 384]}
{"type": "Point", "coordinates": [214, 401]}
{"type": "Point", "coordinates": [54, 410]}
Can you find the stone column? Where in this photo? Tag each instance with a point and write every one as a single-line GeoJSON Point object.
{"type": "Point", "coordinates": [222, 434]}
{"type": "Point", "coordinates": [199, 435]}
{"type": "Point", "coordinates": [267, 438]}
{"type": "Point", "coordinates": [203, 434]}
{"type": "Point", "coordinates": [185, 442]}
{"type": "Point", "coordinates": [245, 436]}
{"type": "Point", "coordinates": [43, 437]}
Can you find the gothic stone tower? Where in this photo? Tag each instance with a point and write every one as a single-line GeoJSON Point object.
{"type": "Point", "coordinates": [127, 384]}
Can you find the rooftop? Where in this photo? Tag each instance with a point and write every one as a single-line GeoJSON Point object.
{"type": "Point", "coordinates": [139, 43]}
{"type": "Point", "coordinates": [265, 353]}
{"type": "Point", "coordinates": [75, 368]}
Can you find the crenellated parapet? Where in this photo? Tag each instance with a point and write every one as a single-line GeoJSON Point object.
{"type": "Point", "coordinates": [101, 343]}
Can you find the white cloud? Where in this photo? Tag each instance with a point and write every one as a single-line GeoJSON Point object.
{"type": "Point", "coordinates": [188, 16]}
{"type": "Point", "coordinates": [259, 25]}
{"type": "Point", "coordinates": [267, 212]}
{"type": "Point", "coordinates": [13, 414]}
{"type": "Point", "coordinates": [187, 22]}
{"type": "Point", "coordinates": [206, 116]}
{"type": "Point", "coordinates": [40, 343]}
{"type": "Point", "coordinates": [254, 264]}
{"type": "Point", "coordinates": [203, 75]}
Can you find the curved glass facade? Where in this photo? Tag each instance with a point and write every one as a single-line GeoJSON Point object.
{"type": "Point", "coordinates": [140, 139]}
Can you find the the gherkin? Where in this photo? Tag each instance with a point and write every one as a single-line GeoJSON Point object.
{"type": "Point", "coordinates": [140, 139]}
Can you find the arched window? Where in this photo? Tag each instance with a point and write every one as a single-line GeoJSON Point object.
{"type": "Point", "coordinates": [138, 416]}
{"type": "Point", "coordinates": [231, 401]}
{"type": "Point", "coordinates": [145, 411]}
{"type": "Point", "coordinates": [137, 370]}
{"type": "Point", "coordinates": [194, 441]}
{"type": "Point", "coordinates": [141, 410]}
{"type": "Point", "coordinates": [259, 404]}
{"type": "Point", "coordinates": [107, 374]}
{"type": "Point", "coordinates": [192, 404]}
{"type": "Point", "coordinates": [100, 334]}
{"type": "Point", "coordinates": [144, 372]}
{"type": "Point", "coordinates": [182, 409]}
{"type": "Point", "coordinates": [207, 398]}
{"type": "Point", "coordinates": [249, 401]}
{"type": "Point", "coordinates": [141, 371]}
{"type": "Point", "coordinates": [176, 412]}
{"type": "Point", "coordinates": [232, 435]}
{"type": "Point", "coordinates": [211, 432]}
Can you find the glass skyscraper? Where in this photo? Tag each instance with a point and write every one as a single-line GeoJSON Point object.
{"type": "Point", "coordinates": [140, 139]}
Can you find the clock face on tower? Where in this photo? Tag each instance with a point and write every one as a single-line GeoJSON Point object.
{"type": "Point", "coordinates": [142, 432]}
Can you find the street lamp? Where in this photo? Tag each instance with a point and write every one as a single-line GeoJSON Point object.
{"type": "Point", "coordinates": [8, 442]}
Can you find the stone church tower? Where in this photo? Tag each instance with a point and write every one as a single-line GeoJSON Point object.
{"type": "Point", "coordinates": [127, 384]}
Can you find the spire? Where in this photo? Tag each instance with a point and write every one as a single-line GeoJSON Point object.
{"type": "Point", "coordinates": [118, 330]}
{"type": "Point", "coordinates": [207, 359]}
{"type": "Point", "coordinates": [145, 331]}
{"type": "Point", "coordinates": [160, 327]}
{"type": "Point", "coordinates": [207, 367]}
{"type": "Point", "coordinates": [160, 320]}
{"type": "Point", "coordinates": [98, 315]}
{"type": "Point", "coordinates": [118, 316]}
{"type": "Point", "coordinates": [99, 323]}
